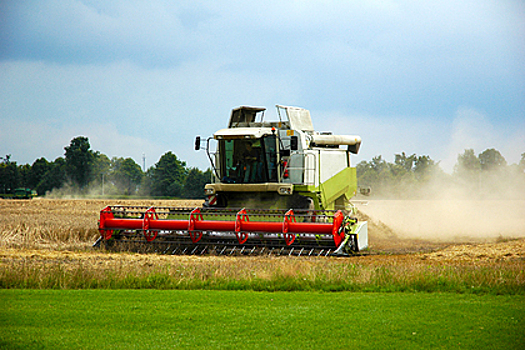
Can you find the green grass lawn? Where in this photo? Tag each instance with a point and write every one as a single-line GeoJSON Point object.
{"type": "Point", "coordinates": [141, 319]}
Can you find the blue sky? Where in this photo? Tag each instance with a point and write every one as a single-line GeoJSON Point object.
{"type": "Point", "coordinates": [146, 77]}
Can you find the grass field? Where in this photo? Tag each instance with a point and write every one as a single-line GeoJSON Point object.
{"type": "Point", "coordinates": [139, 319]}
{"type": "Point", "coordinates": [429, 272]}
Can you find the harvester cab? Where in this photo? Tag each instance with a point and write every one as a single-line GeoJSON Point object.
{"type": "Point", "coordinates": [279, 187]}
{"type": "Point", "coordinates": [283, 164]}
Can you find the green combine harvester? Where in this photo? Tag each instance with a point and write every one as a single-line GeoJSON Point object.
{"type": "Point", "coordinates": [20, 193]}
{"type": "Point", "coordinates": [279, 187]}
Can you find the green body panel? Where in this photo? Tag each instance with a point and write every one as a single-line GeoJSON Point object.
{"type": "Point", "coordinates": [333, 193]}
{"type": "Point", "coordinates": [337, 190]}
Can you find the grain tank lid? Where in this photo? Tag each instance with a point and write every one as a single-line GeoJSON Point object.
{"type": "Point", "coordinates": [244, 115]}
{"type": "Point", "coordinates": [299, 118]}
{"type": "Point", "coordinates": [242, 133]}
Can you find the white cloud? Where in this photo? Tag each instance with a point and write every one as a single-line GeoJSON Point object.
{"type": "Point", "coordinates": [158, 73]}
{"type": "Point", "coordinates": [438, 138]}
{"type": "Point", "coordinates": [28, 141]}
{"type": "Point", "coordinates": [140, 109]}
{"type": "Point", "coordinates": [386, 135]}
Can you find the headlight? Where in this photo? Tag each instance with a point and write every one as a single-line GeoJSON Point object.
{"type": "Point", "coordinates": [285, 190]}
{"type": "Point", "coordinates": [209, 191]}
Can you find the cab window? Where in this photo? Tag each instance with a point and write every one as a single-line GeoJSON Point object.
{"type": "Point", "coordinates": [249, 160]}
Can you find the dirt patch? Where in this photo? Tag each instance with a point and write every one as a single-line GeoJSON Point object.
{"type": "Point", "coordinates": [513, 250]}
{"type": "Point", "coordinates": [502, 251]}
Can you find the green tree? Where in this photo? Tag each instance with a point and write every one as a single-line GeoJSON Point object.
{"type": "Point", "coordinates": [101, 165]}
{"type": "Point", "coordinates": [424, 168]}
{"type": "Point", "coordinates": [146, 187]}
{"type": "Point", "coordinates": [25, 172]}
{"type": "Point", "coordinates": [467, 171]}
{"type": "Point", "coordinates": [126, 174]}
{"type": "Point", "coordinates": [405, 162]}
{"type": "Point", "coordinates": [468, 163]}
{"type": "Point", "coordinates": [100, 172]}
{"type": "Point", "coordinates": [366, 175]}
{"type": "Point", "coordinates": [195, 182]}
{"type": "Point", "coordinates": [403, 171]}
{"type": "Point", "coordinates": [408, 176]}
{"type": "Point", "coordinates": [378, 164]}
{"type": "Point", "coordinates": [168, 176]}
{"type": "Point", "coordinates": [38, 170]}
{"type": "Point", "coordinates": [496, 177]}
{"type": "Point", "coordinates": [376, 174]}
{"type": "Point", "coordinates": [9, 175]}
{"type": "Point", "coordinates": [79, 161]}
{"type": "Point", "coordinates": [55, 177]}
{"type": "Point", "coordinates": [491, 159]}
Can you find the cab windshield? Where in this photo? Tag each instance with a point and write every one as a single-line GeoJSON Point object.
{"type": "Point", "coordinates": [249, 160]}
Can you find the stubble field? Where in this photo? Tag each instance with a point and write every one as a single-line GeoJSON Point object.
{"type": "Point", "coordinates": [47, 244]}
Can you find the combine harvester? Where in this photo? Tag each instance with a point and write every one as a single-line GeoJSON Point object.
{"type": "Point", "coordinates": [298, 181]}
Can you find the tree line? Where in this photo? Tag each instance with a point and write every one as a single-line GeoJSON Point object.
{"type": "Point", "coordinates": [486, 175]}
{"type": "Point", "coordinates": [83, 171]}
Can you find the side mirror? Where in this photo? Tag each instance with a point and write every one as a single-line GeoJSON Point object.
{"type": "Point", "coordinates": [294, 143]}
{"type": "Point", "coordinates": [197, 143]}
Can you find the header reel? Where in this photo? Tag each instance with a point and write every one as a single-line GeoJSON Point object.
{"type": "Point", "coordinates": [173, 230]}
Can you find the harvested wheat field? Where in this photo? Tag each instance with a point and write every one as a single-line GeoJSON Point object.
{"type": "Point", "coordinates": [47, 243]}
{"type": "Point", "coordinates": [59, 223]}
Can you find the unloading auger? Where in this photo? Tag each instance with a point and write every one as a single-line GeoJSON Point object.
{"type": "Point", "coordinates": [221, 231]}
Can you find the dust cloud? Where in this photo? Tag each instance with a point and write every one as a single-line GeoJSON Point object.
{"type": "Point", "coordinates": [454, 220]}
{"type": "Point", "coordinates": [464, 207]}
